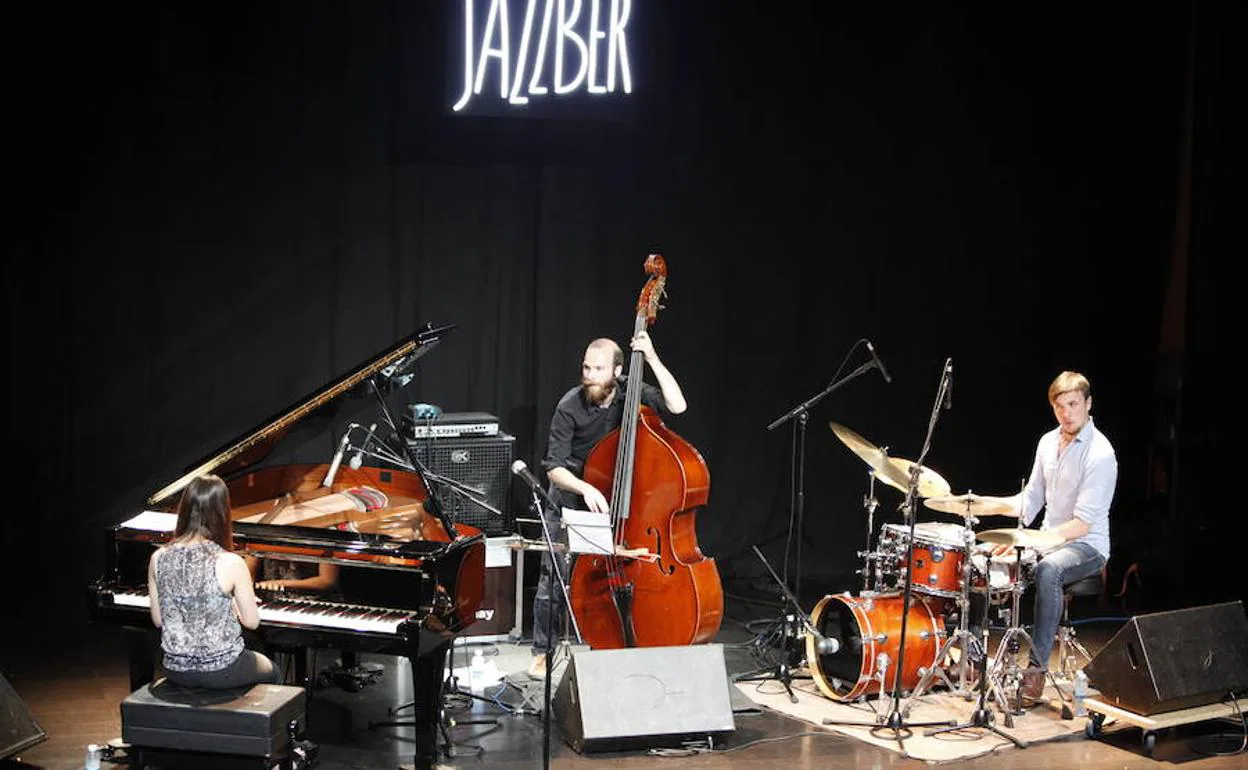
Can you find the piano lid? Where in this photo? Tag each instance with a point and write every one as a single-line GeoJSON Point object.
{"type": "Point", "coordinates": [395, 364]}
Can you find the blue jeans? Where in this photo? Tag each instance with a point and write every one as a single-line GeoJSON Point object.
{"type": "Point", "coordinates": [549, 595]}
{"type": "Point", "coordinates": [1072, 562]}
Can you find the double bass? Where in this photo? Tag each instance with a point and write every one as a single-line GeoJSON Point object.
{"type": "Point", "coordinates": [654, 481]}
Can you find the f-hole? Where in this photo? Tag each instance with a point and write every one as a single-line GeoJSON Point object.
{"type": "Point", "coordinates": [657, 548]}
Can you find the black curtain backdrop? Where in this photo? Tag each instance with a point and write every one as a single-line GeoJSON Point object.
{"type": "Point", "coordinates": [218, 210]}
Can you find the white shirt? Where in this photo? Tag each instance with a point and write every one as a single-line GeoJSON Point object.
{"type": "Point", "coordinates": [1075, 482]}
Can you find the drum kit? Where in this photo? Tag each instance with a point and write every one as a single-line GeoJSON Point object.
{"type": "Point", "coordinates": [946, 563]}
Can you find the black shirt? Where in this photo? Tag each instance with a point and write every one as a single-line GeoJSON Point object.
{"type": "Point", "coordinates": [578, 425]}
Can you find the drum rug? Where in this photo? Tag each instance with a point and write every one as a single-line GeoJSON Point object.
{"type": "Point", "coordinates": [1038, 724]}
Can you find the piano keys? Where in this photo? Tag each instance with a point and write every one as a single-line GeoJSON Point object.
{"type": "Point", "coordinates": [305, 614]}
{"type": "Point", "coordinates": [410, 580]}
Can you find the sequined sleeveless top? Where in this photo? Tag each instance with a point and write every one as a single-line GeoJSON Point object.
{"type": "Point", "coordinates": [199, 630]}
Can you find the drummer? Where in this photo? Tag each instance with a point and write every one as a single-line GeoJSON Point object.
{"type": "Point", "coordinates": [1072, 479]}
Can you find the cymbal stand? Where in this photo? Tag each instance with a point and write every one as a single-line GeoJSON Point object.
{"type": "Point", "coordinates": [962, 638]}
{"type": "Point", "coordinates": [870, 565]}
{"type": "Point", "coordinates": [895, 720]}
{"type": "Point", "coordinates": [1014, 636]}
{"type": "Point", "coordinates": [982, 717]}
{"type": "Point", "coordinates": [1005, 662]}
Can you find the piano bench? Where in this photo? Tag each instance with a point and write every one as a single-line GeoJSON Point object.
{"type": "Point", "coordinates": [167, 724]}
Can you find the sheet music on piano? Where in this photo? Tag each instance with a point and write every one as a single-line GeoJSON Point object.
{"type": "Point", "coordinates": [152, 521]}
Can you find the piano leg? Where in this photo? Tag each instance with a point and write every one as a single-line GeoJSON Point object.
{"type": "Point", "coordinates": [427, 671]}
{"type": "Point", "coordinates": [292, 661]}
{"type": "Point", "coordinates": [142, 645]}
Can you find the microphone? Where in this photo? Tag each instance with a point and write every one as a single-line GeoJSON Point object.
{"type": "Point", "coordinates": [878, 363]}
{"type": "Point", "coordinates": [949, 385]}
{"type": "Point", "coordinates": [521, 470]}
{"type": "Point", "coordinates": [357, 459]}
{"type": "Point", "coordinates": [825, 645]}
{"type": "Point", "coordinates": [333, 465]}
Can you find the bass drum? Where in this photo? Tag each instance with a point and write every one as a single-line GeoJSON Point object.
{"type": "Point", "coordinates": [868, 632]}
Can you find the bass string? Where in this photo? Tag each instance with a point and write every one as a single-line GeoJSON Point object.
{"type": "Point", "coordinates": [622, 484]}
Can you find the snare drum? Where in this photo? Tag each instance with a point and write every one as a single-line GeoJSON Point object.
{"type": "Point", "coordinates": [997, 575]}
{"type": "Point", "coordinates": [936, 561]}
{"type": "Point", "coordinates": [867, 630]}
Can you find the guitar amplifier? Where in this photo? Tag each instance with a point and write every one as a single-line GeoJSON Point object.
{"type": "Point", "coordinates": [482, 462]}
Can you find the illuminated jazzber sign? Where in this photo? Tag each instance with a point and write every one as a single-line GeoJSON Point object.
{"type": "Point", "coordinates": [558, 48]}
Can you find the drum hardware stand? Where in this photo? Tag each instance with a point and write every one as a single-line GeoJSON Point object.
{"type": "Point", "coordinates": [982, 716]}
{"type": "Point", "coordinates": [894, 720]}
{"type": "Point", "coordinates": [793, 616]}
{"type": "Point", "coordinates": [962, 637]}
{"type": "Point", "coordinates": [797, 493]}
{"type": "Point", "coordinates": [870, 569]}
{"type": "Point", "coordinates": [1068, 647]}
{"type": "Point", "coordinates": [1015, 635]}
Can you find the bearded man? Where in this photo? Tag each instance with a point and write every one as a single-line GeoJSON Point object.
{"type": "Point", "coordinates": [583, 416]}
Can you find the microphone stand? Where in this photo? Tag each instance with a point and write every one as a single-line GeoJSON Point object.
{"type": "Point", "coordinates": [539, 508]}
{"type": "Point", "coordinates": [895, 719]}
{"type": "Point", "coordinates": [433, 504]}
{"type": "Point", "coordinates": [800, 415]}
{"type": "Point", "coordinates": [797, 494]}
{"type": "Point", "coordinates": [797, 607]}
{"type": "Point", "coordinates": [384, 452]}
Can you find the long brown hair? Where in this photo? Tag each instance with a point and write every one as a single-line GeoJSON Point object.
{"type": "Point", "coordinates": [204, 510]}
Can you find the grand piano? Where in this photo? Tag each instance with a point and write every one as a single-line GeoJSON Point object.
{"type": "Point", "coordinates": [410, 579]}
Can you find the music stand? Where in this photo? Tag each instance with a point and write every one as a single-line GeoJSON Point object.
{"type": "Point", "coordinates": [895, 720]}
{"type": "Point", "coordinates": [538, 500]}
{"type": "Point", "coordinates": [800, 415]}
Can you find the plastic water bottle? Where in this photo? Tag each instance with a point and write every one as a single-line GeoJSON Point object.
{"type": "Point", "coordinates": [92, 761]}
{"type": "Point", "coordinates": [1081, 692]}
{"type": "Point", "coordinates": [476, 674]}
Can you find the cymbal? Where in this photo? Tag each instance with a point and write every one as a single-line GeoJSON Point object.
{"type": "Point", "coordinates": [873, 456]}
{"type": "Point", "coordinates": [931, 483]}
{"type": "Point", "coordinates": [972, 505]}
{"type": "Point", "coordinates": [1027, 538]}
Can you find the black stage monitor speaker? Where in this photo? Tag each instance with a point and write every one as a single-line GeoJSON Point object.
{"type": "Point", "coordinates": [1174, 660]}
{"type": "Point", "coordinates": [18, 730]}
{"type": "Point", "coordinates": [482, 462]}
{"type": "Point", "coordinates": [644, 697]}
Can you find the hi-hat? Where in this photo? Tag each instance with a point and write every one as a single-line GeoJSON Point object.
{"type": "Point", "coordinates": [972, 505]}
{"type": "Point", "coordinates": [893, 471]}
{"type": "Point", "coordinates": [1026, 538]}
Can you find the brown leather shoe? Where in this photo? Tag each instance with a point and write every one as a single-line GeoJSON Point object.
{"type": "Point", "coordinates": [1031, 689]}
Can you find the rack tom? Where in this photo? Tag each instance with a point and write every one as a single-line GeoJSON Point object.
{"type": "Point", "coordinates": [935, 562]}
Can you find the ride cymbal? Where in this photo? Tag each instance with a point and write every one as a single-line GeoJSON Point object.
{"type": "Point", "coordinates": [931, 483]}
{"type": "Point", "coordinates": [1026, 538]}
{"type": "Point", "coordinates": [972, 505]}
{"type": "Point", "coordinates": [893, 471]}
{"type": "Point", "coordinates": [873, 456]}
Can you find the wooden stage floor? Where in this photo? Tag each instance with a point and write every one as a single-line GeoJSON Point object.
{"type": "Point", "coordinates": [72, 677]}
